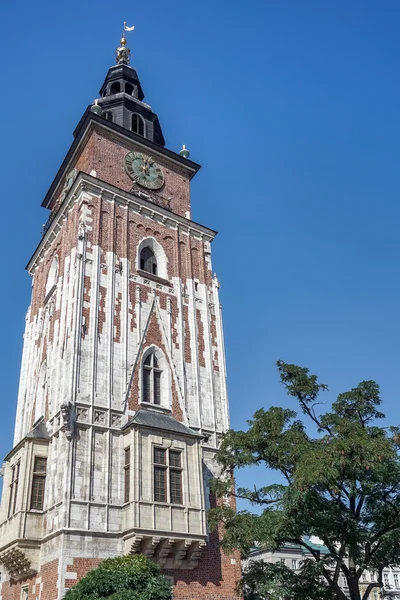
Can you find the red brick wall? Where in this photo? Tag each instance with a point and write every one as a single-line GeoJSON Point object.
{"type": "Point", "coordinates": [80, 566]}
{"type": "Point", "coordinates": [49, 578]}
{"type": "Point", "coordinates": [105, 153]}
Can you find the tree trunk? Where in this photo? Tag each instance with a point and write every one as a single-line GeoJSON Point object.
{"type": "Point", "coordinates": [354, 588]}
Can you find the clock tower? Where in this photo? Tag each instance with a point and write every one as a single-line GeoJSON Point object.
{"type": "Point", "coordinates": [122, 397]}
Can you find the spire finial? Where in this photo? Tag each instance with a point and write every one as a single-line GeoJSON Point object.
{"type": "Point", "coordinates": [123, 53]}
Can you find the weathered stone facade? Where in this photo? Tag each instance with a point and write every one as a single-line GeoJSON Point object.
{"type": "Point", "coordinates": [79, 484]}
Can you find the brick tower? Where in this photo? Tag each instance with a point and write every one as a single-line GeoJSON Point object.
{"type": "Point", "coordinates": [122, 396]}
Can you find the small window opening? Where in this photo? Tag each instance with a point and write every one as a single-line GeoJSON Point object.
{"type": "Point", "coordinates": [137, 124]}
{"type": "Point", "coordinates": [115, 88]}
{"type": "Point", "coordinates": [12, 504]}
{"type": "Point", "coordinates": [148, 260]}
{"type": "Point", "coordinates": [129, 89]}
{"type": "Point", "coordinates": [108, 116]}
{"type": "Point", "coordinates": [196, 286]}
{"type": "Point", "coordinates": [127, 474]}
{"type": "Point", "coordinates": [38, 483]}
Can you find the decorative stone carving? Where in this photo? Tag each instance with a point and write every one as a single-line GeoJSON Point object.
{"type": "Point", "coordinates": [81, 414]}
{"type": "Point", "coordinates": [116, 420]}
{"type": "Point", "coordinates": [17, 563]}
{"type": "Point", "coordinates": [67, 423]}
{"type": "Point", "coordinates": [169, 552]}
{"type": "Point", "coordinates": [81, 231]}
{"type": "Point", "coordinates": [163, 551]}
{"type": "Point", "coordinates": [194, 553]}
{"type": "Point", "coordinates": [99, 417]}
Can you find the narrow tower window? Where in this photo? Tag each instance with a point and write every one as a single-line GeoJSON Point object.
{"type": "Point", "coordinates": [129, 89]}
{"type": "Point", "coordinates": [127, 474]}
{"type": "Point", "coordinates": [148, 261]}
{"type": "Point", "coordinates": [38, 483]}
{"type": "Point", "coordinates": [108, 116]}
{"type": "Point", "coordinates": [12, 504]}
{"type": "Point", "coordinates": [115, 88]}
{"type": "Point", "coordinates": [137, 124]}
{"type": "Point", "coordinates": [151, 380]}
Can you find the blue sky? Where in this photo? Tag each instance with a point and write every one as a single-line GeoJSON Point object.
{"type": "Point", "coordinates": [292, 108]}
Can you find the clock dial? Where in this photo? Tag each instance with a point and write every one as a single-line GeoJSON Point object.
{"type": "Point", "coordinates": [144, 170]}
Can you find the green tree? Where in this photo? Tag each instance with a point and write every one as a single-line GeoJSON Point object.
{"type": "Point", "coordinates": [341, 484]}
{"type": "Point", "coordinates": [123, 578]}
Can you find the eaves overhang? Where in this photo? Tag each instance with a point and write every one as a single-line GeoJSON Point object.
{"type": "Point", "coordinates": [88, 121]}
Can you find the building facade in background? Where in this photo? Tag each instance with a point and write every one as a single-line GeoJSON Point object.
{"type": "Point", "coordinates": [122, 397]}
{"type": "Point", "coordinates": [291, 555]}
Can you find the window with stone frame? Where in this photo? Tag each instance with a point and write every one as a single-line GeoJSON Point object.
{"type": "Point", "coordinates": [12, 503]}
{"type": "Point", "coordinates": [148, 261]}
{"type": "Point", "coordinates": [386, 579]}
{"type": "Point", "coordinates": [38, 483]}
{"type": "Point", "coordinates": [24, 592]}
{"type": "Point", "coordinates": [137, 124]}
{"type": "Point", "coordinates": [168, 476]}
{"type": "Point", "coordinates": [127, 474]}
{"type": "Point", "coordinates": [396, 580]}
{"type": "Point", "coordinates": [151, 380]}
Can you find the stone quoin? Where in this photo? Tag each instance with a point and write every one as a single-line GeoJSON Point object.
{"type": "Point", "coordinates": [122, 397]}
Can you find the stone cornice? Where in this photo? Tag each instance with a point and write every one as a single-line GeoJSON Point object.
{"type": "Point", "coordinates": [85, 183]}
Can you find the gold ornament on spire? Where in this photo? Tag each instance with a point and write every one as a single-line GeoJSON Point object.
{"type": "Point", "coordinates": [123, 53]}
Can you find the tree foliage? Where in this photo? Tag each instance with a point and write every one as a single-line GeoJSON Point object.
{"type": "Point", "coordinates": [341, 485]}
{"type": "Point", "coordinates": [123, 578]}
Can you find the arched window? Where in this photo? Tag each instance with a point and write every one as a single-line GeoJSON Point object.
{"type": "Point", "coordinates": [151, 380]}
{"type": "Point", "coordinates": [148, 260]}
{"type": "Point", "coordinates": [53, 275]}
{"type": "Point", "coordinates": [151, 257]}
{"type": "Point", "coordinates": [137, 124]}
{"type": "Point", "coordinates": [129, 89]}
{"type": "Point", "coordinates": [108, 115]}
{"type": "Point", "coordinates": [115, 88]}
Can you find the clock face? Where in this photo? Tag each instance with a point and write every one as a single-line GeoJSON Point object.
{"type": "Point", "coordinates": [144, 170]}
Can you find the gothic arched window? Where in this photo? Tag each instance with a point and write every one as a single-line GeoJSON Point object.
{"type": "Point", "coordinates": [151, 380]}
{"type": "Point", "coordinates": [115, 88]}
{"type": "Point", "coordinates": [108, 116]}
{"type": "Point", "coordinates": [148, 260]}
{"type": "Point", "coordinates": [137, 124]}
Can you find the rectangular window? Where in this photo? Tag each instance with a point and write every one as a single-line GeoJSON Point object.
{"type": "Point", "coordinates": [160, 488]}
{"type": "Point", "coordinates": [157, 387]}
{"type": "Point", "coordinates": [127, 474]}
{"type": "Point", "coordinates": [294, 563]}
{"type": "Point", "coordinates": [364, 576]}
{"type": "Point", "coordinates": [376, 595]}
{"type": "Point", "coordinates": [396, 580]}
{"type": "Point", "coordinates": [146, 385]}
{"type": "Point", "coordinates": [175, 478]}
{"type": "Point", "coordinates": [12, 503]}
{"type": "Point", "coordinates": [38, 483]}
{"type": "Point", "coordinates": [168, 476]}
{"type": "Point", "coordinates": [386, 579]}
{"type": "Point", "coordinates": [160, 472]}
